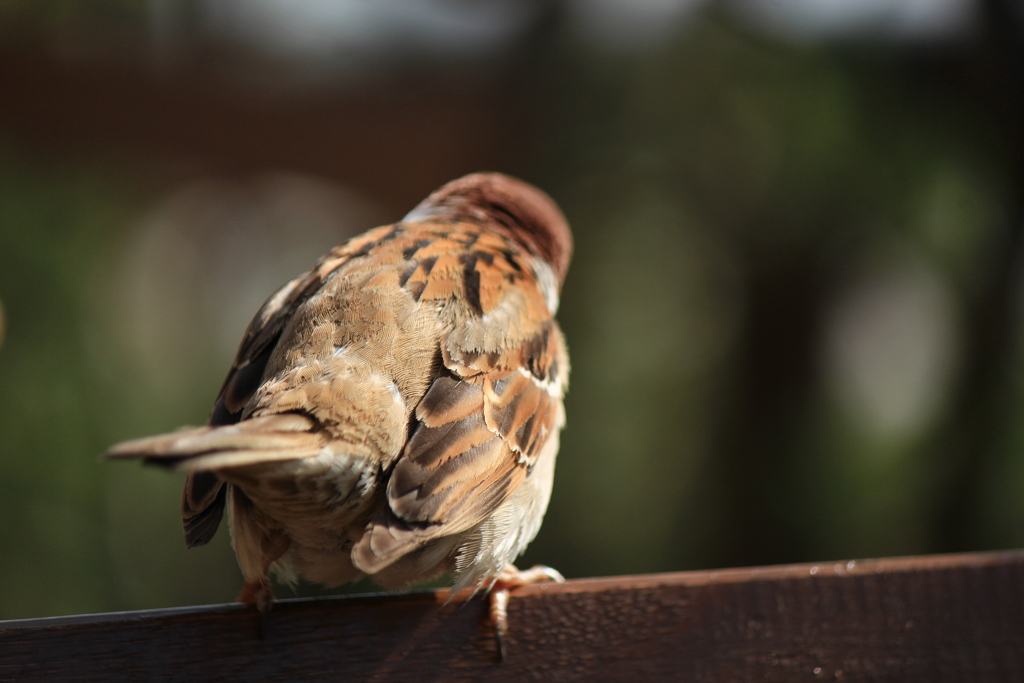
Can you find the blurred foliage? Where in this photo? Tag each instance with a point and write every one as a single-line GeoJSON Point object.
{"type": "Point", "coordinates": [58, 224]}
{"type": "Point", "coordinates": [697, 174]}
{"type": "Point", "coordinates": [784, 253]}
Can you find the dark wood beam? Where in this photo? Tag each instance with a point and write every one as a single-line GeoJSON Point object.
{"type": "Point", "coordinates": [939, 618]}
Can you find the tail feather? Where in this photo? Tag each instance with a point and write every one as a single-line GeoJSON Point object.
{"type": "Point", "coordinates": [265, 439]}
{"type": "Point", "coordinates": [262, 439]}
{"type": "Point", "coordinates": [242, 458]}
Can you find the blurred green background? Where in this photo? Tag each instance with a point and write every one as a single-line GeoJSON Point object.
{"type": "Point", "coordinates": [794, 311]}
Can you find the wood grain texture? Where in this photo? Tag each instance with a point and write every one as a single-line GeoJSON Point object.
{"type": "Point", "coordinates": [939, 618]}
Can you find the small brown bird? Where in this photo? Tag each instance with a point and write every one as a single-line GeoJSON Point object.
{"type": "Point", "coordinates": [394, 412]}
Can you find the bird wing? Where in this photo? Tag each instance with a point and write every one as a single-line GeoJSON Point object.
{"type": "Point", "coordinates": [494, 403]}
{"type": "Point", "coordinates": [231, 439]}
{"type": "Point", "coordinates": [204, 494]}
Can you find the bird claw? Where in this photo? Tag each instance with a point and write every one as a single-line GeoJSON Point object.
{"type": "Point", "coordinates": [510, 579]}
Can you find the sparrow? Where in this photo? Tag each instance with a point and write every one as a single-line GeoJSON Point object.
{"type": "Point", "coordinates": [393, 413]}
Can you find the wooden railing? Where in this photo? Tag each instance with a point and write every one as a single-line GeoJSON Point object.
{"type": "Point", "coordinates": [938, 618]}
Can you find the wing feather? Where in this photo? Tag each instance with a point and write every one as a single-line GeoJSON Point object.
{"type": "Point", "coordinates": [204, 494]}
{"type": "Point", "coordinates": [483, 423]}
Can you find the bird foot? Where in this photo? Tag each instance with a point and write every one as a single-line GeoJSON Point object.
{"type": "Point", "coordinates": [510, 579]}
{"type": "Point", "coordinates": [258, 592]}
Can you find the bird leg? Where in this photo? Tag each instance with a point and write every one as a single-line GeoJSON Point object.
{"type": "Point", "coordinates": [258, 592]}
{"type": "Point", "coordinates": [501, 589]}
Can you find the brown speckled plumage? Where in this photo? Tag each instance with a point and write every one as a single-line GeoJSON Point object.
{"type": "Point", "coordinates": [395, 411]}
